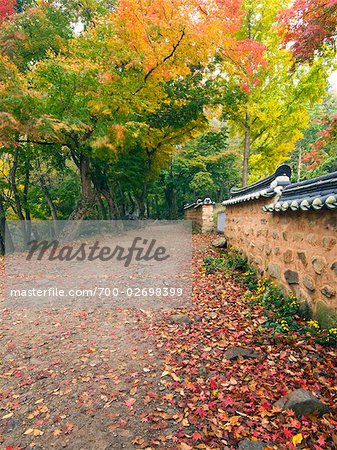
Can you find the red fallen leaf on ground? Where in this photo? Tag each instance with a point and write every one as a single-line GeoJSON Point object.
{"type": "Point", "coordinates": [196, 436]}
{"type": "Point", "coordinates": [130, 402]}
{"type": "Point", "coordinates": [68, 428]}
{"type": "Point", "coordinates": [213, 384]}
{"type": "Point", "coordinates": [288, 433]}
{"type": "Point", "coordinates": [321, 441]}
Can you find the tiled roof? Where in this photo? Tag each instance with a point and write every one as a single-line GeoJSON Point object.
{"type": "Point", "coordinates": [199, 202]}
{"type": "Point", "coordinates": [268, 187]}
{"type": "Point", "coordinates": [314, 194]}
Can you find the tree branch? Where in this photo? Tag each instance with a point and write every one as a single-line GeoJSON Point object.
{"type": "Point", "coordinates": [28, 141]}
{"type": "Point", "coordinates": [175, 46]}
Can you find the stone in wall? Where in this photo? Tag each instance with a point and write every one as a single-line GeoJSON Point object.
{"type": "Point", "coordinates": [334, 268]}
{"type": "Point", "coordinates": [312, 238]}
{"type": "Point", "coordinates": [319, 264]}
{"type": "Point", "coordinates": [309, 283]}
{"type": "Point", "coordinates": [302, 256]}
{"type": "Point", "coordinates": [329, 242]}
{"type": "Point", "coordinates": [297, 237]}
{"type": "Point", "coordinates": [275, 234]}
{"type": "Point", "coordinates": [260, 246]}
{"type": "Point", "coordinates": [291, 277]}
{"type": "Point", "coordinates": [331, 223]}
{"type": "Point", "coordinates": [328, 291]}
{"type": "Point", "coordinates": [274, 270]}
{"type": "Point", "coordinates": [288, 256]}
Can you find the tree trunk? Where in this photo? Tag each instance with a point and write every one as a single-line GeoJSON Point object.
{"type": "Point", "coordinates": [48, 198]}
{"type": "Point", "coordinates": [2, 228]}
{"type": "Point", "coordinates": [142, 202]}
{"type": "Point", "coordinates": [221, 192]}
{"type": "Point", "coordinates": [25, 199]}
{"type": "Point", "coordinates": [123, 205]}
{"type": "Point", "coordinates": [156, 202]}
{"type": "Point", "coordinates": [113, 209]}
{"type": "Point", "coordinates": [132, 204]}
{"type": "Point", "coordinates": [299, 169]}
{"type": "Point", "coordinates": [246, 151]}
{"type": "Point", "coordinates": [17, 199]}
{"type": "Point", "coordinates": [87, 201]}
{"type": "Point", "coordinates": [14, 188]}
{"type": "Point", "coordinates": [6, 242]}
{"type": "Point", "coordinates": [102, 207]}
{"type": "Point", "coordinates": [148, 207]}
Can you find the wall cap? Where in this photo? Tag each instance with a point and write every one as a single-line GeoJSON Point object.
{"type": "Point", "coordinates": [198, 203]}
{"type": "Point", "coordinates": [268, 187]}
{"type": "Point", "coordinates": [314, 194]}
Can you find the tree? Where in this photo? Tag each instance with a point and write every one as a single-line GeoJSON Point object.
{"type": "Point", "coordinates": [112, 94]}
{"type": "Point", "coordinates": [29, 36]}
{"type": "Point", "coordinates": [202, 167]}
{"type": "Point", "coordinates": [271, 113]}
{"type": "Point", "coordinates": [316, 151]}
{"type": "Point", "coordinates": [310, 27]}
{"type": "Point", "coordinates": [7, 8]}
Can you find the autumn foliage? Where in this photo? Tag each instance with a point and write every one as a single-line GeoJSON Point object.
{"type": "Point", "coordinates": [310, 25]}
{"type": "Point", "coordinates": [7, 8]}
{"type": "Point", "coordinates": [125, 84]}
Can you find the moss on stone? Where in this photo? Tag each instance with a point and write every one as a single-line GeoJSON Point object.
{"type": "Point", "coordinates": [326, 316]}
{"type": "Point", "coordinates": [305, 309]}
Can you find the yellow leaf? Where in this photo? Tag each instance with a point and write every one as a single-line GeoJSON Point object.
{"type": "Point", "coordinates": [34, 432]}
{"type": "Point", "coordinates": [185, 422]}
{"type": "Point", "coordinates": [29, 431]}
{"type": "Point", "coordinates": [174, 376]}
{"type": "Point", "coordinates": [234, 420]}
{"type": "Point", "coordinates": [37, 432]}
{"type": "Point", "coordinates": [297, 439]}
{"type": "Point", "coordinates": [183, 446]}
{"type": "Point", "coordinates": [7, 416]}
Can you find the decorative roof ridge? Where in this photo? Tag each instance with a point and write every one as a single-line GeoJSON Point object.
{"type": "Point", "coordinates": [199, 202]}
{"type": "Point", "coordinates": [317, 183]}
{"type": "Point", "coordinates": [313, 194]}
{"type": "Point", "coordinates": [268, 187]}
{"type": "Point", "coordinates": [283, 170]}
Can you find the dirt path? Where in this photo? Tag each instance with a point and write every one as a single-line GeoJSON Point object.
{"type": "Point", "coordinates": [106, 379]}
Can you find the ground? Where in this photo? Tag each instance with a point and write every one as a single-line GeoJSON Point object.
{"type": "Point", "coordinates": [104, 379]}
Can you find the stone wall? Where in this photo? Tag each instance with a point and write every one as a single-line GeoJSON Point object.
{"type": "Point", "coordinates": [201, 217]}
{"type": "Point", "coordinates": [296, 249]}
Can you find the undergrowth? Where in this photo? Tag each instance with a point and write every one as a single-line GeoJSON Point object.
{"type": "Point", "coordinates": [284, 313]}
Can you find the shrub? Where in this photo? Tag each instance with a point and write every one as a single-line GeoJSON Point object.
{"type": "Point", "coordinates": [283, 312]}
{"type": "Point", "coordinates": [213, 264]}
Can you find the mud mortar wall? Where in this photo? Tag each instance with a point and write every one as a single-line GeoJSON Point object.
{"type": "Point", "coordinates": [296, 249]}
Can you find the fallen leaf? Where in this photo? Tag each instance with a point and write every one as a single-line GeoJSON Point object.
{"type": "Point", "coordinates": [297, 439]}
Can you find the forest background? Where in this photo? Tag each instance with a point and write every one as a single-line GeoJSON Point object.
{"type": "Point", "coordinates": [132, 108]}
